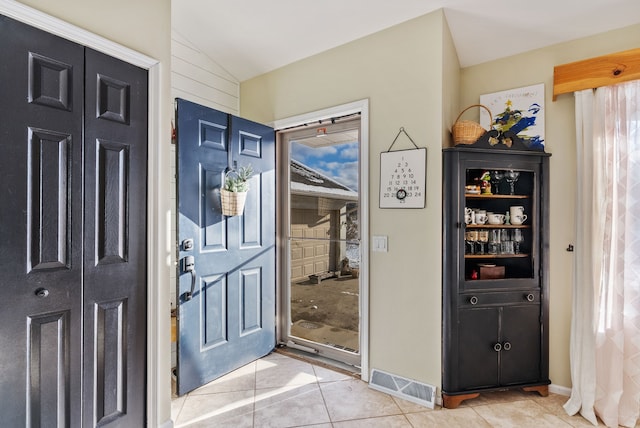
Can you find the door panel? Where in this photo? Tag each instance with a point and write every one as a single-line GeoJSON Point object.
{"type": "Point", "coordinates": [521, 328]}
{"type": "Point", "coordinates": [230, 319]}
{"type": "Point", "coordinates": [478, 366]}
{"type": "Point", "coordinates": [42, 247]}
{"type": "Point", "coordinates": [41, 229]}
{"type": "Point", "coordinates": [115, 242]}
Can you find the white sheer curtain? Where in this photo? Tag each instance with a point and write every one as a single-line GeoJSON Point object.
{"type": "Point", "coordinates": [605, 328]}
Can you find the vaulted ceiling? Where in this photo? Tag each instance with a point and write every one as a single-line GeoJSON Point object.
{"type": "Point", "coordinates": [252, 37]}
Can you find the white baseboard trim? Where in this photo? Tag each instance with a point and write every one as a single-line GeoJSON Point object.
{"type": "Point", "coordinates": [166, 424]}
{"type": "Point", "coordinates": [561, 390]}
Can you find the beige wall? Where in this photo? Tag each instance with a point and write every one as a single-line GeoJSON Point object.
{"type": "Point", "coordinates": [450, 84]}
{"type": "Point", "coordinates": [141, 25]}
{"type": "Point", "coordinates": [537, 67]}
{"type": "Point", "coordinates": [400, 71]}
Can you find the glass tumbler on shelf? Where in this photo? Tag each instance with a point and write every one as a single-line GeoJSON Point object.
{"type": "Point", "coordinates": [483, 238]}
{"type": "Point", "coordinates": [518, 238]}
{"type": "Point", "coordinates": [471, 237]}
{"type": "Point", "coordinates": [506, 243]}
{"type": "Point", "coordinates": [494, 241]}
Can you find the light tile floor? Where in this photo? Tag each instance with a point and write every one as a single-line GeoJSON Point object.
{"type": "Point", "coordinates": [280, 391]}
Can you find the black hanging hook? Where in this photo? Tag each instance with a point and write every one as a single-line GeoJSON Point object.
{"type": "Point", "coordinates": [405, 133]}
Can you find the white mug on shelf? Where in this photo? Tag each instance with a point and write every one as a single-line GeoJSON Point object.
{"type": "Point", "coordinates": [496, 218]}
{"type": "Point", "coordinates": [469, 216]}
{"type": "Point", "coordinates": [517, 215]}
{"type": "Point", "coordinates": [481, 216]}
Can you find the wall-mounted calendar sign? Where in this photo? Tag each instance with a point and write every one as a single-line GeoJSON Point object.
{"type": "Point", "coordinates": [403, 177]}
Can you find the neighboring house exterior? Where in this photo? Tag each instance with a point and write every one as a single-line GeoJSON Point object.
{"type": "Point", "coordinates": [321, 209]}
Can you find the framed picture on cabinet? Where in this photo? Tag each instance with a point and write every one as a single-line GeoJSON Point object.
{"type": "Point", "coordinates": [518, 110]}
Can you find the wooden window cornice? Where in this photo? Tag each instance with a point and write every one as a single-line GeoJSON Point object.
{"type": "Point", "coordinates": [595, 72]}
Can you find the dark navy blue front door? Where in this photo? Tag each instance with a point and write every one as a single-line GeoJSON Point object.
{"type": "Point", "coordinates": [229, 319]}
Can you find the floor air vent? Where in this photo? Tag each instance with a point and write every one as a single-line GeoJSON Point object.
{"type": "Point", "coordinates": [404, 388]}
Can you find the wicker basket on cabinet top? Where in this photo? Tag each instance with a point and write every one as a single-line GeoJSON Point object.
{"type": "Point", "coordinates": [468, 131]}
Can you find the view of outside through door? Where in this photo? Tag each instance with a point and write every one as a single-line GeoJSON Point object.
{"type": "Point", "coordinates": [324, 239]}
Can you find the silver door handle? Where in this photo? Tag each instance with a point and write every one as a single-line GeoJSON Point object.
{"type": "Point", "coordinates": [189, 265]}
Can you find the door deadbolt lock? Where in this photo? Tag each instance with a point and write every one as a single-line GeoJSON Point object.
{"type": "Point", "coordinates": [187, 244]}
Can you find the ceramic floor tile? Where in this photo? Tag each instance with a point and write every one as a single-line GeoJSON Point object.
{"type": "Point", "coordinates": [268, 396]}
{"type": "Point", "coordinates": [275, 356]}
{"type": "Point", "coordinates": [176, 406]}
{"type": "Point", "coordinates": [508, 396]}
{"type": "Point", "coordinates": [328, 375]}
{"type": "Point", "coordinates": [409, 406]}
{"type": "Point", "coordinates": [242, 379]}
{"type": "Point", "coordinates": [290, 406]}
{"type": "Point", "coordinates": [454, 418]}
{"type": "Point", "coordinates": [577, 421]}
{"type": "Point", "coordinates": [353, 399]}
{"type": "Point", "coordinates": [214, 409]}
{"type": "Point", "coordinates": [319, 426]}
{"type": "Point", "coordinates": [280, 391]}
{"type": "Point", "coordinates": [398, 421]}
{"type": "Point", "coordinates": [242, 421]}
{"type": "Point", "coordinates": [275, 371]}
{"type": "Point", "coordinates": [523, 414]}
{"type": "Point", "coordinates": [554, 404]}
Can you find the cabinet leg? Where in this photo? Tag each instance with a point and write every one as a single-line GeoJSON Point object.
{"type": "Point", "coordinates": [543, 390]}
{"type": "Point", "coordinates": [453, 401]}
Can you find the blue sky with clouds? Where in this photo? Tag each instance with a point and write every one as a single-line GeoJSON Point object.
{"type": "Point", "coordinates": [339, 162]}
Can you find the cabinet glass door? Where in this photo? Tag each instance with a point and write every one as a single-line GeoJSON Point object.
{"type": "Point", "coordinates": [499, 224]}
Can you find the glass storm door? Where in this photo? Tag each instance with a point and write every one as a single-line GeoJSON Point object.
{"type": "Point", "coordinates": [323, 238]}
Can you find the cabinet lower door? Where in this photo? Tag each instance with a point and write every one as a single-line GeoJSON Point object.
{"type": "Point", "coordinates": [521, 329]}
{"type": "Point", "coordinates": [478, 362]}
{"type": "Point", "coordinates": [499, 346]}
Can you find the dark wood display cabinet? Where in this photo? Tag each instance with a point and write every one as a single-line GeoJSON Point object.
{"type": "Point", "coordinates": [495, 273]}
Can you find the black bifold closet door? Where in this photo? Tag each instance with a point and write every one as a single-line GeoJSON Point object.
{"type": "Point", "coordinates": [73, 164]}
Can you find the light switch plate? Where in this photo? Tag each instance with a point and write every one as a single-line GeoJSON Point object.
{"type": "Point", "coordinates": [380, 244]}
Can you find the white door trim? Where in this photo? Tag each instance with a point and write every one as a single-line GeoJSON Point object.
{"type": "Point", "coordinates": [362, 107]}
{"type": "Point", "coordinates": [158, 361]}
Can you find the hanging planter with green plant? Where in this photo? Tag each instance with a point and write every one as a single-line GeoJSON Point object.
{"type": "Point", "coordinates": [234, 193]}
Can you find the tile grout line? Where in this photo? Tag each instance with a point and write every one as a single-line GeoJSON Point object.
{"type": "Point", "coordinates": [255, 392]}
{"type": "Point", "coordinates": [403, 413]}
{"type": "Point", "coordinates": [181, 408]}
{"type": "Point", "coordinates": [326, 408]}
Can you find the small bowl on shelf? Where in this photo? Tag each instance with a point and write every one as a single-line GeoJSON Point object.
{"type": "Point", "coordinates": [472, 189]}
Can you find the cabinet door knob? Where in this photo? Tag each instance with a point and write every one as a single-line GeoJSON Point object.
{"type": "Point", "coordinates": [530, 297]}
{"type": "Point", "coordinates": [497, 347]}
{"type": "Point", "coordinates": [473, 300]}
{"type": "Point", "coordinates": [506, 346]}
{"type": "Point", "coordinates": [42, 292]}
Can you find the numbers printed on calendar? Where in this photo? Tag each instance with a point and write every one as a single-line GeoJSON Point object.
{"type": "Point", "coordinates": [402, 179]}
{"type": "Point", "coordinates": [402, 183]}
